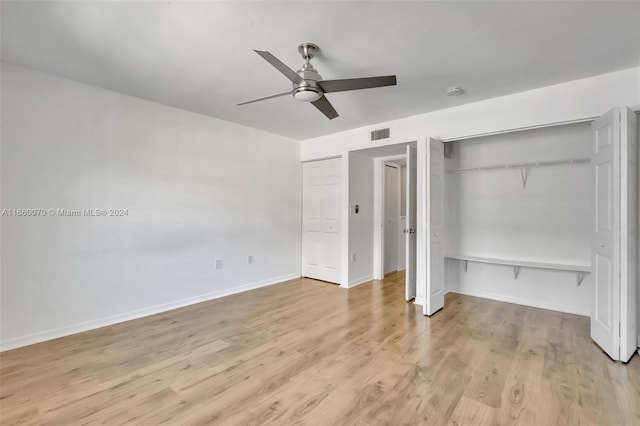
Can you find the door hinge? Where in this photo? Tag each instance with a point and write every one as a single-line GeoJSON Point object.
{"type": "Point", "coordinates": [619, 335]}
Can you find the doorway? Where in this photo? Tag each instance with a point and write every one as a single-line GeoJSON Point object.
{"type": "Point", "coordinates": [366, 223]}
{"type": "Point", "coordinates": [406, 213]}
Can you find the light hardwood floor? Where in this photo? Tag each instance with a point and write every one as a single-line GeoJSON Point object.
{"type": "Point", "coordinates": [308, 352]}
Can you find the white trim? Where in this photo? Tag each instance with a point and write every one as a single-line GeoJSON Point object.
{"type": "Point", "coordinates": [344, 254]}
{"type": "Point", "coordinates": [378, 206]}
{"type": "Point", "coordinates": [55, 333]}
{"type": "Point", "coordinates": [357, 281]}
{"type": "Point", "coordinates": [522, 301]}
{"type": "Point", "coordinates": [419, 302]}
{"type": "Point", "coordinates": [331, 157]}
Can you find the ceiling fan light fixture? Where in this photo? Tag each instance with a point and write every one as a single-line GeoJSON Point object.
{"type": "Point", "coordinates": [307, 94]}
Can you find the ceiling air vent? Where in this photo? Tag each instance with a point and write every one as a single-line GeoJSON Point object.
{"type": "Point", "coordinates": [380, 134]}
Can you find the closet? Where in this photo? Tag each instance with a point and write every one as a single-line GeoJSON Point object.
{"type": "Point", "coordinates": [321, 220]}
{"type": "Point", "coordinates": [519, 217]}
{"type": "Point", "coordinates": [543, 217]}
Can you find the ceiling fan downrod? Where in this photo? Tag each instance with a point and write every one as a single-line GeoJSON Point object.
{"type": "Point", "coordinates": [308, 50]}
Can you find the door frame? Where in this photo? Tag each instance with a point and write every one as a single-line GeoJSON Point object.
{"type": "Point", "coordinates": [378, 212]}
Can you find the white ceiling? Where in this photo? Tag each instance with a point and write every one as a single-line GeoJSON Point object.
{"type": "Point", "coordinates": [198, 55]}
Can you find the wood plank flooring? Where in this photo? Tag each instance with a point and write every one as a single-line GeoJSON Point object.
{"type": "Point", "coordinates": [308, 352]}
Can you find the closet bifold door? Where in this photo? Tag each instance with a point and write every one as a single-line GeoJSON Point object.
{"type": "Point", "coordinates": [614, 237]}
{"type": "Point", "coordinates": [434, 227]}
{"type": "Point", "coordinates": [321, 220]}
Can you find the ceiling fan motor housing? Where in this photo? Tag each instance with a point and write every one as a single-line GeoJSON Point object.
{"type": "Point", "coordinates": [307, 90]}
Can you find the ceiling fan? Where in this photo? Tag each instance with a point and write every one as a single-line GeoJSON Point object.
{"type": "Point", "coordinates": [308, 85]}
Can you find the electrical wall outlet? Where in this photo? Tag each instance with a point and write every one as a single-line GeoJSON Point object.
{"type": "Point", "coordinates": [353, 258]}
{"type": "Point", "coordinates": [250, 260]}
{"type": "Point", "coordinates": [218, 263]}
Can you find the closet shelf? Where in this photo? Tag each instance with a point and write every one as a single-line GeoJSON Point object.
{"type": "Point", "coordinates": [581, 270]}
{"type": "Point", "coordinates": [527, 165]}
{"type": "Point", "coordinates": [524, 167]}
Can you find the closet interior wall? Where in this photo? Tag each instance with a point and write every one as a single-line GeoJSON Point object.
{"type": "Point", "coordinates": [534, 214]}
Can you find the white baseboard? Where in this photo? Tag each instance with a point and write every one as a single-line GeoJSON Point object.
{"type": "Point", "coordinates": [361, 280]}
{"type": "Point", "coordinates": [522, 301]}
{"type": "Point", "coordinates": [30, 339]}
{"type": "Point", "coordinates": [419, 302]}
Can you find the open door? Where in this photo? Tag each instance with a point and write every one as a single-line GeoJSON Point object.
{"type": "Point", "coordinates": [613, 244]}
{"type": "Point", "coordinates": [629, 234]}
{"type": "Point", "coordinates": [410, 230]}
{"type": "Point", "coordinates": [435, 227]}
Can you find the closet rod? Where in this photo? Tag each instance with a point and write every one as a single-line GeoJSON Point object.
{"type": "Point", "coordinates": [523, 165]}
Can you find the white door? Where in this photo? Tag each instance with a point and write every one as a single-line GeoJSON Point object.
{"type": "Point", "coordinates": [391, 216]}
{"type": "Point", "coordinates": [321, 220]}
{"type": "Point", "coordinates": [629, 235]}
{"type": "Point", "coordinates": [435, 227]}
{"type": "Point", "coordinates": [613, 316]}
{"type": "Point", "coordinates": [411, 224]}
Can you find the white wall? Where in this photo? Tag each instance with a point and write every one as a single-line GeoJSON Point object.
{"type": "Point", "coordinates": [575, 100]}
{"type": "Point", "coordinates": [491, 215]}
{"type": "Point", "coordinates": [361, 190]}
{"type": "Point", "coordinates": [196, 189]}
{"type": "Point", "coordinates": [579, 100]}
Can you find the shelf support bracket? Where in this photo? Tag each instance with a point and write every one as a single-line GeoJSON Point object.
{"type": "Point", "coordinates": [581, 276]}
{"type": "Point", "coordinates": [516, 272]}
{"type": "Point", "coordinates": [524, 174]}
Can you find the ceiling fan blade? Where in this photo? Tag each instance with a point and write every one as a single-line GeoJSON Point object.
{"type": "Point", "coordinates": [288, 72]}
{"type": "Point", "coordinates": [329, 86]}
{"type": "Point", "coordinates": [277, 95]}
{"type": "Point", "coordinates": [325, 107]}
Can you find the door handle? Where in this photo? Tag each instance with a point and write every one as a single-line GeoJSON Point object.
{"type": "Point", "coordinates": [602, 245]}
